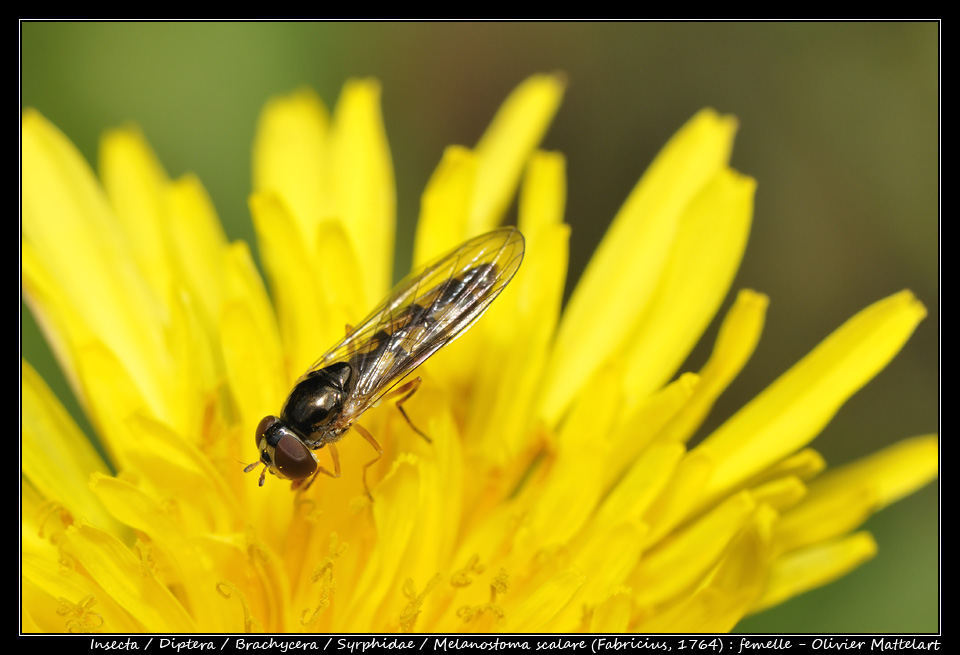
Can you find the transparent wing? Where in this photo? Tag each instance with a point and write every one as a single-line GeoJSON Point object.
{"type": "Point", "coordinates": [427, 310]}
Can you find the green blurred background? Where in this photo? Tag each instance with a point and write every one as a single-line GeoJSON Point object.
{"type": "Point", "coordinates": [839, 124]}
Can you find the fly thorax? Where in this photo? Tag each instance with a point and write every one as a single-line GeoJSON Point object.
{"type": "Point", "coordinates": [317, 400]}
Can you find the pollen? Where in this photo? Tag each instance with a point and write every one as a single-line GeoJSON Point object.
{"type": "Point", "coordinates": [250, 623]}
{"type": "Point", "coordinates": [326, 590]}
{"type": "Point", "coordinates": [498, 587]}
{"type": "Point", "coordinates": [463, 577]}
{"type": "Point", "coordinates": [323, 573]}
{"type": "Point", "coordinates": [80, 616]}
{"type": "Point", "coordinates": [408, 617]}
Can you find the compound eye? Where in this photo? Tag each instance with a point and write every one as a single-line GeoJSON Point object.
{"type": "Point", "coordinates": [293, 460]}
{"type": "Point", "coordinates": [265, 424]}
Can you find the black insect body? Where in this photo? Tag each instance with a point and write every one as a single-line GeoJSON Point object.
{"type": "Point", "coordinates": [424, 312]}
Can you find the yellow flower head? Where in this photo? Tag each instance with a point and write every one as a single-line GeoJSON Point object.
{"type": "Point", "coordinates": [559, 492]}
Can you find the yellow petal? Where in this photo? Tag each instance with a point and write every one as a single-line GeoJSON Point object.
{"type": "Point", "coordinates": [135, 183]}
{"type": "Point", "coordinates": [193, 569]}
{"type": "Point", "coordinates": [257, 379]}
{"type": "Point", "coordinates": [683, 560]}
{"type": "Point", "coordinates": [62, 599]}
{"type": "Point", "coordinates": [57, 458]}
{"type": "Point", "coordinates": [194, 364]}
{"type": "Point", "coordinates": [791, 411]}
{"type": "Point", "coordinates": [738, 337]}
{"type": "Point", "coordinates": [780, 494]}
{"type": "Point", "coordinates": [445, 205]}
{"type": "Point", "coordinates": [677, 499]}
{"type": "Point", "coordinates": [647, 423]}
{"type": "Point", "coordinates": [243, 284]}
{"type": "Point", "coordinates": [892, 473]}
{"type": "Point", "coordinates": [565, 500]}
{"type": "Point", "coordinates": [342, 274]}
{"type": "Point", "coordinates": [75, 235]}
{"type": "Point", "coordinates": [510, 359]}
{"type": "Point", "coordinates": [732, 590]}
{"type": "Point", "coordinates": [804, 465]}
{"type": "Point", "coordinates": [845, 497]}
{"type": "Point", "coordinates": [437, 507]}
{"type": "Point", "coordinates": [114, 399]}
{"type": "Point", "coordinates": [291, 158]}
{"type": "Point", "coordinates": [167, 462]}
{"type": "Point", "coordinates": [607, 558]}
{"type": "Point", "coordinates": [694, 281]}
{"type": "Point", "coordinates": [543, 196]}
{"type": "Point", "coordinates": [121, 575]}
{"type": "Point", "coordinates": [307, 330]}
{"type": "Point", "coordinates": [504, 148]}
{"type": "Point", "coordinates": [535, 611]}
{"type": "Point", "coordinates": [253, 357]}
{"type": "Point", "coordinates": [618, 284]}
{"type": "Point", "coordinates": [815, 566]}
{"type": "Point", "coordinates": [395, 514]}
{"type": "Point", "coordinates": [642, 484]}
{"type": "Point", "coordinates": [257, 583]}
{"type": "Point", "coordinates": [363, 183]}
{"type": "Point", "coordinates": [198, 244]}
{"type": "Point", "coordinates": [61, 324]}
{"type": "Point", "coordinates": [613, 614]}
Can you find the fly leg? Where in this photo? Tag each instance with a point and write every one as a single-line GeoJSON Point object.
{"type": "Point", "coordinates": [335, 456]}
{"type": "Point", "coordinates": [377, 447]}
{"type": "Point", "coordinates": [405, 391]}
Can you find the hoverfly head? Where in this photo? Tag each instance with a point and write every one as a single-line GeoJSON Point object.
{"type": "Point", "coordinates": [282, 452]}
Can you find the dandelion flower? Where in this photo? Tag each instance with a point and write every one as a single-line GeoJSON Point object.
{"type": "Point", "coordinates": [559, 493]}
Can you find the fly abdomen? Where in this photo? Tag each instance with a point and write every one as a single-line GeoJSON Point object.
{"type": "Point", "coordinates": [474, 282]}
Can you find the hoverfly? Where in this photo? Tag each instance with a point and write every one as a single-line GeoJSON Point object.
{"type": "Point", "coordinates": [424, 312]}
